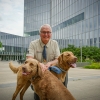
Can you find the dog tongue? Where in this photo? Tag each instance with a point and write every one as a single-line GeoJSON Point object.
{"type": "Point", "coordinates": [73, 65]}
{"type": "Point", "coordinates": [24, 73]}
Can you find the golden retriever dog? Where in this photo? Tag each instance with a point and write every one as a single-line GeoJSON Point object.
{"type": "Point", "coordinates": [65, 61]}
{"type": "Point", "coordinates": [45, 84]}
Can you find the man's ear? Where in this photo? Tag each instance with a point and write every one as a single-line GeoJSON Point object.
{"type": "Point", "coordinates": [39, 70]}
{"type": "Point", "coordinates": [60, 59]}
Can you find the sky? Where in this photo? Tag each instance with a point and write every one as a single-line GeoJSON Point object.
{"type": "Point", "coordinates": [12, 16]}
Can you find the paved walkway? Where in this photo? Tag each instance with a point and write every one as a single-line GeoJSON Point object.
{"type": "Point", "coordinates": [84, 84]}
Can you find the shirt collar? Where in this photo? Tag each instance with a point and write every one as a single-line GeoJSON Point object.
{"type": "Point", "coordinates": [42, 44]}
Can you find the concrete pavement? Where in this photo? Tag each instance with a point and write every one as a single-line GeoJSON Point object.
{"type": "Point", "coordinates": [84, 84]}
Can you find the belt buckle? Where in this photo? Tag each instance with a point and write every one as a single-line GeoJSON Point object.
{"type": "Point", "coordinates": [44, 60]}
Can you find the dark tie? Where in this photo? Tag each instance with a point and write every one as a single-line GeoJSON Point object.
{"type": "Point", "coordinates": [44, 53]}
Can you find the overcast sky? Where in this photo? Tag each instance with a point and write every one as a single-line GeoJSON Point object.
{"type": "Point", "coordinates": [11, 16]}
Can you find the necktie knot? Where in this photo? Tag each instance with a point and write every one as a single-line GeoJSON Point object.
{"type": "Point", "coordinates": [44, 53]}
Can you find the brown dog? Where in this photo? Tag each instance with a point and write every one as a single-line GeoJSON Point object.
{"type": "Point", "coordinates": [65, 61]}
{"type": "Point", "coordinates": [46, 85]}
{"type": "Point", "coordinates": [24, 75]}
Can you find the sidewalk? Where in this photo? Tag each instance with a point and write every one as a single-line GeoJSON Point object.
{"type": "Point", "coordinates": [84, 84]}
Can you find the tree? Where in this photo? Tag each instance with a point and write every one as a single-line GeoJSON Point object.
{"type": "Point", "coordinates": [92, 53]}
{"type": "Point", "coordinates": [0, 44]}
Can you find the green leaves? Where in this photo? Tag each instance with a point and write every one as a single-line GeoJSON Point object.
{"type": "Point", "coordinates": [0, 44]}
{"type": "Point", "coordinates": [91, 53]}
{"type": "Point", "coordinates": [93, 66]}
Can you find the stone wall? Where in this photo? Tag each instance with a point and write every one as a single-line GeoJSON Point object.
{"type": "Point", "coordinates": [81, 64]}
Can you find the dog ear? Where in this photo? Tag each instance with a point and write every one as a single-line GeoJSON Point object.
{"type": "Point", "coordinates": [39, 70]}
{"type": "Point", "coordinates": [60, 59]}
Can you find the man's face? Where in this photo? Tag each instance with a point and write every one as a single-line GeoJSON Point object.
{"type": "Point", "coordinates": [45, 34]}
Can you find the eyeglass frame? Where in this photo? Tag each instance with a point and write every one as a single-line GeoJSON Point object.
{"type": "Point", "coordinates": [44, 32]}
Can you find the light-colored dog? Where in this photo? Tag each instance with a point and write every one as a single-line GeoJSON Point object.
{"type": "Point", "coordinates": [46, 85]}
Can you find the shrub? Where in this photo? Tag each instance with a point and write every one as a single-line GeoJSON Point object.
{"type": "Point", "coordinates": [93, 66]}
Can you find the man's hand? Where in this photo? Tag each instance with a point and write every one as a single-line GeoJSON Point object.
{"type": "Point", "coordinates": [43, 67]}
{"type": "Point", "coordinates": [48, 65]}
{"type": "Point", "coordinates": [51, 63]}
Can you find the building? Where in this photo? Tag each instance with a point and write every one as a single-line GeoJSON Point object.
{"type": "Point", "coordinates": [12, 47]}
{"type": "Point", "coordinates": [75, 22]}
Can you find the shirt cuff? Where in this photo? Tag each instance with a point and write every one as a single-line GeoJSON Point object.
{"type": "Point", "coordinates": [29, 55]}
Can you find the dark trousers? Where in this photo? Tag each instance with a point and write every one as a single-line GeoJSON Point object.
{"type": "Point", "coordinates": [36, 97]}
{"type": "Point", "coordinates": [66, 80]}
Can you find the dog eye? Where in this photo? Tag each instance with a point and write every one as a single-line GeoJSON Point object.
{"type": "Point", "coordinates": [25, 62]}
{"type": "Point", "coordinates": [68, 54]}
{"type": "Point", "coordinates": [31, 64]}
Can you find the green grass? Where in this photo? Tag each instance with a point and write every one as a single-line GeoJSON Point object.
{"type": "Point", "coordinates": [93, 66]}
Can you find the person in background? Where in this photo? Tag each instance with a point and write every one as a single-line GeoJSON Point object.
{"type": "Point", "coordinates": [44, 49]}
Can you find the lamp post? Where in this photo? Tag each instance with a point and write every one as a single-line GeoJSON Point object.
{"type": "Point", "coordinates": [81, 49]}
{"type": "Point", "coordinates": [61, 48]}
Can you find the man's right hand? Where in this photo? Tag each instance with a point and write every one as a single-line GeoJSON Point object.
{"type": "Point", "coordinates": [43, 67]}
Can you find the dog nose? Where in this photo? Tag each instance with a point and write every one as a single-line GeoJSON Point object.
{"type": "Point", "coordinates": [75, 58]}
{"type": "Point", "coordinates": [23, 68]}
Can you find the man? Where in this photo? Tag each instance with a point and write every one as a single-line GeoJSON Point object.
{"type": "Point", "coordinates": [45, 43]}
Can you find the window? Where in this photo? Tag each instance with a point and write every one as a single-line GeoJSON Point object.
{"type": "Point", "coordinates": [69, 22]}
{"type": "Point", "coordinates": [99, 7]}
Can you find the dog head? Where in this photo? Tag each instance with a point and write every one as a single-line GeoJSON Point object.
{"type": "Point", "coordinates": [67, 60]}
{"type": "Point", "coordinates": [31, 67]}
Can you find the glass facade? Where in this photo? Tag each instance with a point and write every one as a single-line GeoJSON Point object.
{"type": "Point", "coordinates": [12, 47]}
{"type": "Point", "coordinates": [36, 13]}
{"type": "Point", "coordinates": [75, 22]}
{"type": "Point", "coordinates": [69, 22]}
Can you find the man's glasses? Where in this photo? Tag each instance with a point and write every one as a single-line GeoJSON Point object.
{"type": "Point", "coordinates": [44, 32]}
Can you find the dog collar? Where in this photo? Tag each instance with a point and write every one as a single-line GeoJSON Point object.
{"type": "Point", "coordinates": [62, 70]}
{"type": "Point", "coordinates": [33, 78]}
{"type": "Point", "coordinates": [56, 69]}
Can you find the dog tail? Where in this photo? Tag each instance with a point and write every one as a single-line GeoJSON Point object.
{"type": "Point", "coordinates": [13, 68]}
